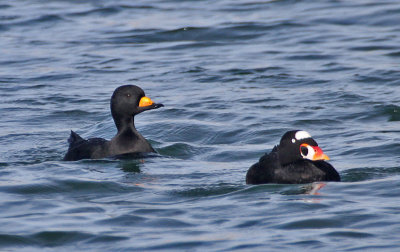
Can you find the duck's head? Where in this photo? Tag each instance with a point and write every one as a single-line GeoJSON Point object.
{"type": "Point", "coordinates": [298, 144]}
{"type": "Point", "coordinates": [128, 101]}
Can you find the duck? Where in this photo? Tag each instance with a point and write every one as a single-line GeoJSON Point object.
{"type": "Point", "coordinates": [296, 160]}
{"type": "Point", "coordinates": [126, 102]}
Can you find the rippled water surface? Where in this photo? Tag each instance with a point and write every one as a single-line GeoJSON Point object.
{"type": "Point", "coordinates": [233, 76]}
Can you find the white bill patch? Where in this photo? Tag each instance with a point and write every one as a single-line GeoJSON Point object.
{"type": "Point", "coordinates": [302, 135]}
{"type": "Point", "coordinates": [310, 152]}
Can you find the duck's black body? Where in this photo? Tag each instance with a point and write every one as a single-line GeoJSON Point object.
{"type": "Point", "coordinates": [289, 163]}
{"type": "Point", "coordinates": [269, 170]}
{"type": "Point", "coordinates": [126, 102]}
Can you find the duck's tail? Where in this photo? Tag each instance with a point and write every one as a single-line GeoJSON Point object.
{"type": "Point", "coordinates": [74, 138]}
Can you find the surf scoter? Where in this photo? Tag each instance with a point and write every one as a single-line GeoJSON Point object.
{"type": "Point", "coordinates": [126, 102]}
{"type": "Point", "coordinates": [296, 160]}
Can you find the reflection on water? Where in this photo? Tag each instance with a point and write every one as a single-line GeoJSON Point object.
{"type": "Point", "coordinates": [233, 76]}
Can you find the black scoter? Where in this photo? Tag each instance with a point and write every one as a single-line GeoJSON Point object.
{"type": "Point", "coordinates": [126, 102]}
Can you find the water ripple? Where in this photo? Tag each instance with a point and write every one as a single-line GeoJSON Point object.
{"type": "Point", "coordinates": [233, 76]}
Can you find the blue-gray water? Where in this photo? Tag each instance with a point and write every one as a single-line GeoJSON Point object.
{"type": "Point", "coordinates": [233, 76]}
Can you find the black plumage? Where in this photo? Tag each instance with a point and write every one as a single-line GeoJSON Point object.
{"type": "Point", "coordinates": [126, 102]}
{"type": "Point", "coordinates": [296, 160]}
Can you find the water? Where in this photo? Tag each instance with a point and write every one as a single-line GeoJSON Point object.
{"type": "Point", "coordinates": [233, 76]}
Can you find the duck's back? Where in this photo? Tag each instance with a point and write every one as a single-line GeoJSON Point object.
{"type": "Point", "coordinates": [269, 170]}
{"type": "Point", "coordinates": [263, 171]}
{"type": "Point", "coordinates": [305, 171]}
{"type": "Point", "coordinates": [80, 148]}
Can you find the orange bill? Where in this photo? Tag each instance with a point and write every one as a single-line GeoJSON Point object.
{"type": "Point", "coordinates": [145, 101]}
{"type": "Point", "coordinates": [319, 154]}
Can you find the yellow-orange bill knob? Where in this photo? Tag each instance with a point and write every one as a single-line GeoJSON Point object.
{"type": "Point", "coordinates": [145, 101]}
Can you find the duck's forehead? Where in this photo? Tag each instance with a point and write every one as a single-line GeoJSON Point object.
{"type": "Point", "coordinates": [302, 135]}
{"type": "Point", "coordinates": [132, 90]}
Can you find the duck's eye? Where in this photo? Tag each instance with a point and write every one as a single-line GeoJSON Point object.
{"type": "Point", "coordinates": [293, 140]}
{"type": "Point", "coordinates": [304, 150]}
{"type": "Point", "coordinates": [128, 95]}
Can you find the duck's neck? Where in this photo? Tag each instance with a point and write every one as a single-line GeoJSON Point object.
{"type": "Point", "coordinates": [125, 123]}
{"type": "Point", "coordinates": [127, 133]}
{"type": "Point", "coordinates": [128, 139]}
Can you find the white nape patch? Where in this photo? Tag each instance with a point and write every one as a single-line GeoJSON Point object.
{"type": "Point", "coordinates": [302, 135]}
